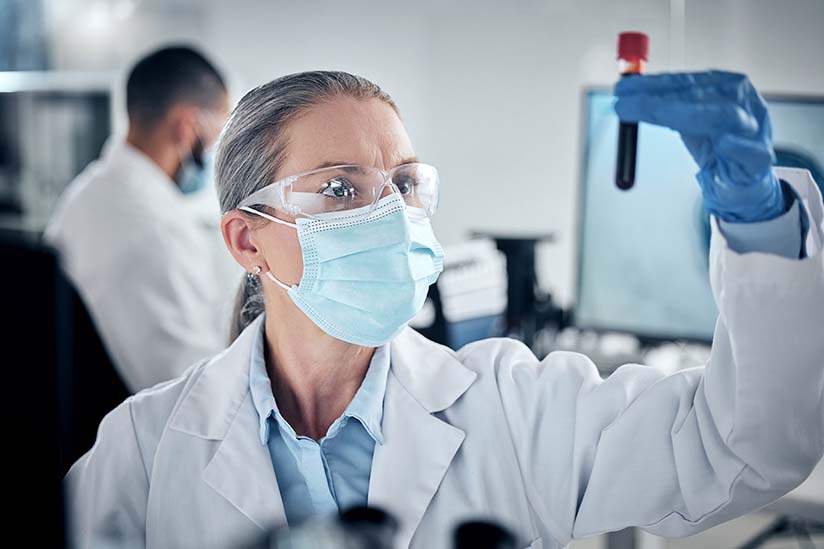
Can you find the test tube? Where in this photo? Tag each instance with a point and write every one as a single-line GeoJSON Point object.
{"type": "Point", "coordinates": [633, 48]}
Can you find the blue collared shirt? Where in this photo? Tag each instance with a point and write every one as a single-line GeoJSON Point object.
{"type": "Point", "coordinates": [332, 474]}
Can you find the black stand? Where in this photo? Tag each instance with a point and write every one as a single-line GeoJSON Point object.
{"type": "Point", "coordinates": [528, 309]}
{"type": "Point", "coordinates": [787, 527]}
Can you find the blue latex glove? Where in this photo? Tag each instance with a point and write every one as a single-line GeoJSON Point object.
{"type": "Point", "coordinates": [726, 127]}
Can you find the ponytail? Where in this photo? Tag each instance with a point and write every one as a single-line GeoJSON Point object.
{"type": "Point", "coordinates": [248, 305]}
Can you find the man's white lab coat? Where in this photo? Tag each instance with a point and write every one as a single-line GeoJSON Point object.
{"type": "Point", "coordinates": [144, 266]}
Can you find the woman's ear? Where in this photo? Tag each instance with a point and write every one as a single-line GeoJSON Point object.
{"type": "Point", "coordinates": [237, 234]}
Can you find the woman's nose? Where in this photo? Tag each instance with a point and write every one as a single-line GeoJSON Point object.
{"type": "Point", "coordinates": [388, 189]}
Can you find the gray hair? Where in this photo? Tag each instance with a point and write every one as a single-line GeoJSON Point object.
{"type": "Point", "coordinates": [252, 149]}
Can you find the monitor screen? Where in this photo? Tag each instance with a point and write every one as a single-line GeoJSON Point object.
{"type": "Point", "coordinates": [643, 253]}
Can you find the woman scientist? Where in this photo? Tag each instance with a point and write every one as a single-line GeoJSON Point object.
{"type": "Point", "coordinates": [328, 400]}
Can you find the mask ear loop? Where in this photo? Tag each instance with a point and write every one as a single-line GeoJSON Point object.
{"type": "Point", "coordinates": [271, 277]}
{"type": "Point", "coordinates": [253, 211]}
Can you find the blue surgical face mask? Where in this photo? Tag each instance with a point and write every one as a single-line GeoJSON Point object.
{"type": "Point", "coordinates": [196, 171]}
{"type": "Point", "coordinates": [365, 274]}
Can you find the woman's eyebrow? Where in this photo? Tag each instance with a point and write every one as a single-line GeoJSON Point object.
{"type": "Point", "coordinates": [409, 160]}
{"type": "Point", "coordinates": [331, 165]}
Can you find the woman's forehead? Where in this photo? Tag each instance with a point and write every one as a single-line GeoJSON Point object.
{"type": "Point", "coordinates": [346, 130]}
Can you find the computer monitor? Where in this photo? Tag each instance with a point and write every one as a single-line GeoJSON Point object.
{"type": "Point", "coordinates": [643, 253]}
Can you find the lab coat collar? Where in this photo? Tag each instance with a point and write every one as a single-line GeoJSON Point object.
{"type": "Point", "coordinates": [407, 468]}
{"type": "Point", "coordinates": [209, 408]}
{"type": "Point", "coordinates": [126, 158]}
{"type": "Point", "coordinates": [429, 372]}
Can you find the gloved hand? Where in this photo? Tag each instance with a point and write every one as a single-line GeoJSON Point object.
{"type": "Point", "coordinates": [726, 127]}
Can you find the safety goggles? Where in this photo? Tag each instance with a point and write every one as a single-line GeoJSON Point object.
{"type": "Point", "coordinates": [348, 187]}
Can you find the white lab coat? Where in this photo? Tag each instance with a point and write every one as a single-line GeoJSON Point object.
{"type": "Point", "coordinates": [144, 266]}
{"type": "Point", "coordinates": [545, 447]}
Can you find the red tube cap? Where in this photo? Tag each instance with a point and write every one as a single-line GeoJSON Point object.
{"type": "Point", "coordinates": [633, 46]}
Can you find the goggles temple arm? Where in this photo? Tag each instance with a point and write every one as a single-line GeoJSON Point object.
{"type": "Point", "coordinates": [266, 216]}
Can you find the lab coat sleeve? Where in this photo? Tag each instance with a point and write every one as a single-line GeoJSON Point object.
{"type": "Point", "coordinates": [107, 489]}
{"type": "Point", "coordinates": [678, 454]}
{"type": "Point", "coordinates": [782, 235]}
{"type": "Point", "coordinates": [159, 317]}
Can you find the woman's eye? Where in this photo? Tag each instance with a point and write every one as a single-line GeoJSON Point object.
{"type": "Point", "coordinates": [338, 188]}
{"type": "Point", "coordinates": [405, 184]}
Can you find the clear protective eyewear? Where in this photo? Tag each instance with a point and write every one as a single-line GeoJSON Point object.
{"type": "Point", "coordinates": [348, 187]}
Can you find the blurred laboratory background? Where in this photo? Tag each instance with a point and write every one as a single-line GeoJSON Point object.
{"type": "Point", "coordinates": [511, 101]}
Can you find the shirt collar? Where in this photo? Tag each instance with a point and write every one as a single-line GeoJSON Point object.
{"type": "Point", "coordinates": [366, 406]}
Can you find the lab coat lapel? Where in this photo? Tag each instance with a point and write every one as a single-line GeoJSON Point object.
{"type": "Point", "coordinates": [241, 469]}
{"type": "Point", "coordinates": [418, 447]}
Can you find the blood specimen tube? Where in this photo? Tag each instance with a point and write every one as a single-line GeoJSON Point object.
{"type": "Point", "coordinates": [632, 53]}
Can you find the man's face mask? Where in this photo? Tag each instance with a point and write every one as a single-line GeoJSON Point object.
{"type": "Point", "coordinates": [196, 170]}
{"type": "Point", "coordinates": [197, 167]}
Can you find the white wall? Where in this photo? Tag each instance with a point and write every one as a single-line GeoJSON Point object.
{"type": "Point", "coordinates": [490, 91]}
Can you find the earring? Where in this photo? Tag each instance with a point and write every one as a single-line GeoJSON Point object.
{"type": "Point", "coordinates": [256, 270]}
